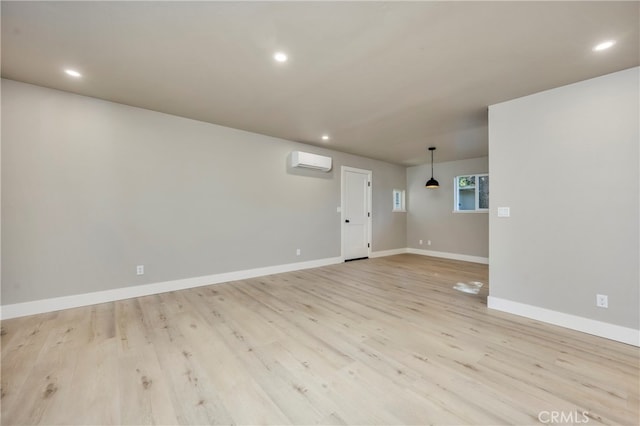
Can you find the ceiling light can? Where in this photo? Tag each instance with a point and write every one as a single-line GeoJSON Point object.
{"type": "Point", "coordinates": [280, 57]}
{"type": "Point", "coordinates": [72, 73]}
{"type": "Point", "coordinates": [604, 45]}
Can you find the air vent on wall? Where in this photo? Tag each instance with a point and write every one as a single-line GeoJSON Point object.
{"type": "Point", "coordinates": [310, 161]}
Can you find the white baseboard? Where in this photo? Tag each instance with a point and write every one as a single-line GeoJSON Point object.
{"type": "Point", "coordinates": [86, 299]}
{"type": "Point", "coordinates": [618, 333]}
{"type": "Point", "coordinates": [384, 253]}
{"type": "Point", "coordinates": [453, 256]}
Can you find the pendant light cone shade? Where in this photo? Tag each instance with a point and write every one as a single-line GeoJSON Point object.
{"type": "Point", "coordinates": [432, 183]}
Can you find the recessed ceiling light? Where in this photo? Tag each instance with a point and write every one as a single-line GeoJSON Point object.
{"type": "Point", "coordinates": [73, 73]}
{"type": "Point", "coordinates": [325, 137]}
{"type": "Point", "coordinates": [604, 45]}
{"type": "Point", "coordinates": [280, 57]}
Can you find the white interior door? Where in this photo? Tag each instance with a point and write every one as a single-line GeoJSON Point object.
{"type": "Point", "coordinates": [356, 213]}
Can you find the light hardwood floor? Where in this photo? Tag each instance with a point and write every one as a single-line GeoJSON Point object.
{"type": "Point", "coordinates": [379, 341]}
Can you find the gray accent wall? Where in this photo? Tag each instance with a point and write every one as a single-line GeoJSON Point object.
{"type": "Point", "coordinates": [566, 163]}
{"type": "Point", "coordinates": [90, 189]}
{"type": "Point", "coordinates": [430, 211]}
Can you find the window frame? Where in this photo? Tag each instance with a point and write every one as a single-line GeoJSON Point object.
{"type": "Point", "coordinates": [456, 194]}
{"type": "Point", "coordinates": [402, 193]}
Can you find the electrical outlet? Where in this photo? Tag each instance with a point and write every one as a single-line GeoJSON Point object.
{"type": "Point", "coordinates": [428, 242]}
{"type": "Point", "coordinates": [297, 252]}
{"type": "Point", "coordinates": [602, 300]}
{"type": "Point", "coordinates": [140, 270]}
{"type": "Point", "coordinates": [420, 242]}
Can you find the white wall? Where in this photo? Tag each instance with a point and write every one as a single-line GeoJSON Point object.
{"type": "Point", "coordinates": [430, 211]}
{"type": "Point", "coordinates": [566, 162]}
{"type": "Point", "coordinates": [90, 189]}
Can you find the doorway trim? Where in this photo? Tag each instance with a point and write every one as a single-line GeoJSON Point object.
{"type": "Point", "coordinates": [369, 174]}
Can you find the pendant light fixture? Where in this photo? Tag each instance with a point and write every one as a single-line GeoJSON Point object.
{"type": "Point", "coordinates": [432, 183]}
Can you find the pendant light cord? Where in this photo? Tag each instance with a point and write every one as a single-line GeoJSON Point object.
{"type": "Point", "coordinates": [431, 164]}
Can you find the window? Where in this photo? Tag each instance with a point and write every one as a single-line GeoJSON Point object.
{"type": "Point", "coordinates": [471, 193]}
{"type": "Point", "coordinates": [398, 200]}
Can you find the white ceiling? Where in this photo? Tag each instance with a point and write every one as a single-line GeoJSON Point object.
{"type": "Point", "coordinates": [384, 79]}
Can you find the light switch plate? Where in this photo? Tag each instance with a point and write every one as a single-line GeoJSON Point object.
{"type": "Point", "coordinates": [504, 212]}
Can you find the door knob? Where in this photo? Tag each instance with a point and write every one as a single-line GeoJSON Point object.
{"type": "Point", "coordinates": [346, 221]}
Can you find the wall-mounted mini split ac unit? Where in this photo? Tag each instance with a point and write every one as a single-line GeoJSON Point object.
{"type": "Point", "coordinates": [310, 161]}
